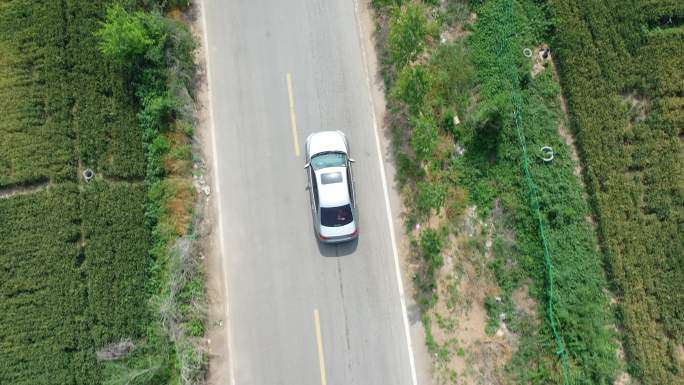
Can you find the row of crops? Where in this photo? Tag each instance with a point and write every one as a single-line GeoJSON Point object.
{"type": "Point", "coordinates": [85, 266]}
{"type": "Point", "coordinates": [622, 67]}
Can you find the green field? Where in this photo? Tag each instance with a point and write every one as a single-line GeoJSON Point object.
{"type": "Point", "coordinates": [36, 139]}
{"type": "Point", "coordinates": [81, 262]}
{"type": "Point", "coordinates": [74, 257]}
{"type": "Point", "coordinates": [623, 73]}
{"type": "Point", "coordinates": [63, 296]}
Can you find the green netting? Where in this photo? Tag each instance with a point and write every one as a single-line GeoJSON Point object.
{"type": "Point", "coordinates": [506, 60]}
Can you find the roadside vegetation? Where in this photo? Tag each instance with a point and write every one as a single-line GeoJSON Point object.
{"type": "Point", "coordinates": [469, 113]}
{"type": "Point", "coordinates": [100, 280]}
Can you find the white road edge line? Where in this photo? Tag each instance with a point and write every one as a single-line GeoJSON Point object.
{"type": "Point", "coordinates": [212, 126]}
{"type": "Point", "coordinates": [385, 191]}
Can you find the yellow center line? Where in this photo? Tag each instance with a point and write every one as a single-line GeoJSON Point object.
{"type": "Point", "coordinates": [319, 341]}
{"type": "Point", "coordinates": [293, 115]}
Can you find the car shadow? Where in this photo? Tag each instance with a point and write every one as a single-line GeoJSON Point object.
{"type": "Point", "coordinates": [332, 250]}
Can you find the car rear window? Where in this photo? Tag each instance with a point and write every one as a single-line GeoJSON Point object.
{"type": "Point", "coordinates": [336, 216]}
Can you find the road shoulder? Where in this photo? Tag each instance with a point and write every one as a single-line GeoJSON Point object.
{"type": "Point", "coordinates": [423, 362]}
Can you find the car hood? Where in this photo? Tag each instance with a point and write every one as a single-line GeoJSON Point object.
{"type": "Point", "coordinates": [326, 141]}
{"type": "Point", "coordinates": [340, 231]}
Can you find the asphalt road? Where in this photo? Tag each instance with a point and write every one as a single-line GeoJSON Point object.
{"type": "Point", "coordinates": [299, 312]}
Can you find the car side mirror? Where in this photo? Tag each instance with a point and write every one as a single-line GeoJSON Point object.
{"type": "Point", "coordinates": [307, 165]}
{"type": "Point", "coordinates": [352, 160]}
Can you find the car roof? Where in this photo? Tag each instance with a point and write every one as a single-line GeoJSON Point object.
{"type": "Point", "coordinates": [335, 191]}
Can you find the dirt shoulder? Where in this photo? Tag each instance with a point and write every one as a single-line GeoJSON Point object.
{"type": "Point", "coordinates": [216, 336]}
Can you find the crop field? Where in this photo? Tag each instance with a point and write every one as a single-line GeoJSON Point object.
{"type": "Point", "coordinates": [36, 139]}
{"type": "Point", "coordinates": [63, 105]}
{"type": "Point", "coordinates": [44, 333]}
{"type": "Point", "coordinates": [623, 73]}
{"type": "Point", "coordinates": [76, 264]}
{"type": "Point", "coordinates": [62, 296]}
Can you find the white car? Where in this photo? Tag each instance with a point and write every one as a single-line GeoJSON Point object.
{"type": "Point", "coordinates": [331, 187]}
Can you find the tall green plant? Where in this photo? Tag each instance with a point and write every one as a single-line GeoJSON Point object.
{"type": "Point", "coordinates": [409, 30]}
{"type": "Point", "coordinates": [125, 36]}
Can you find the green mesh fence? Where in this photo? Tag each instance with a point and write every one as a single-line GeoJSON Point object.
{"type": "Point", "coordinates": [505, 60]}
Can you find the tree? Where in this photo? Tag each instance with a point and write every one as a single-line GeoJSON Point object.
{"type": "Point", "coordinates": [124, 36]}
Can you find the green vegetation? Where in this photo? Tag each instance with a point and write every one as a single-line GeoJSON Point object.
{"type": "Point", "coordinates": [35, 135]}
{"type": "Point", "coordinates": [95, 285]}
{"type": "Point", "coordinates": [115, 257]}
{"type": "Point", "coordinates": [44, 333]}
{"type": "Point", "coordinates": [487, 82]}
{"type": "Point", "coordinates": [622, 71]}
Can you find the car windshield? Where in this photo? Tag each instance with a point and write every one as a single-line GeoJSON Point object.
{"type": "Point", "coordinates": [328, 159]}
{"type": "Point", "coordinates": [336, 216]}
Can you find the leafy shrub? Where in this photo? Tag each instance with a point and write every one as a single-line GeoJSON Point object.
{"type": "Point", "coordinates": [412, 86]}
{"type": "Point", "coordinates": [157, 113]}
{"type": "Point", "coordinates": [124, 36]}
{"type": "Point", "coordinates": [429, 196]}
{"type": "Point", "coordinates": [409, 31]}
{"type": "Point", "coordinates": [386, 3]}
{"type": "Point", "coordinates": [425, 137]}
{"type": "Point", "coordinates": [431, 244]}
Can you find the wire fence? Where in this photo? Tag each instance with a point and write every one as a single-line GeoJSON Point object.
{"type": "Point", "coordinates": [506, 59]}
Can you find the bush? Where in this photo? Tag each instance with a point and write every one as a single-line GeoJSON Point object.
{"type": "Point", "coordinates": [125, 37]}
{"type": "Point", "coordinates": [425, 137]}
{"type": "Point", "coordinates": [411, 87]}
{"type": "Point", "coordinates": [429, 196]}
{"type": "Point", "coordinates": [431, 244]}
{"type": "Point", "coordinates": [409, 31]}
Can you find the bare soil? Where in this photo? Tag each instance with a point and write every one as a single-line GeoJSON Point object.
{"type": "Point", "coordinates": [467, 355]}
{"type": "Point", "coordinates": [8, 192]}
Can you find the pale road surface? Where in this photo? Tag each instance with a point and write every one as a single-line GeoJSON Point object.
{"type": "Point", "coordinates": [278, 275]}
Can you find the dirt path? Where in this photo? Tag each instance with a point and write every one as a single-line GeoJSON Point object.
{"type": "Point", "coordinates": [8, 192]}
{"type": "Point", "coordinates": [216, 326]}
